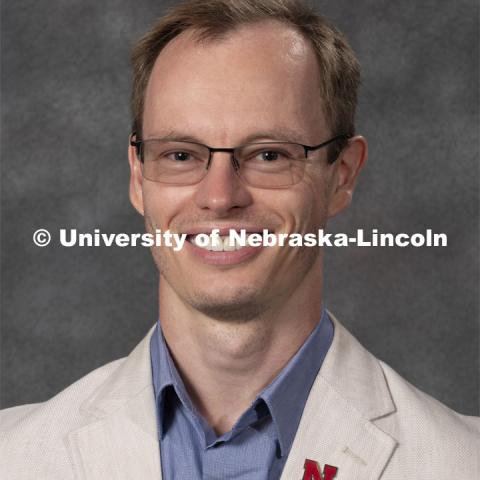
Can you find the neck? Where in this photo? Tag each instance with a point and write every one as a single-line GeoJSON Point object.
{"type": "Point", "coordinates": [226, 364]}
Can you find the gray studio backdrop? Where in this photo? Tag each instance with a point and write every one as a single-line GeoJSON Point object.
{"type": "Point", "coordinates": [65, 126]}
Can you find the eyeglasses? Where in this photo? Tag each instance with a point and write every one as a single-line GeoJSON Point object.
{"type": "Point", "coordinates": [263, 165]}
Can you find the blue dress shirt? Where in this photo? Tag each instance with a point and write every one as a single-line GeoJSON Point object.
{"type": "Point", "coordinates": [258, 445]}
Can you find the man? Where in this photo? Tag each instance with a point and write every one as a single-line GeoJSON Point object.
{"type": "Point", "coordinates": [243, 120]}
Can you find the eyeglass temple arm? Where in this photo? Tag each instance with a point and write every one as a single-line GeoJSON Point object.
{"type": "Point", "coordinates": [324, 144]}
{"type": "Point", "coordinates": [136, 144]}
{"type": "Point", "coordinates": [328, 142]}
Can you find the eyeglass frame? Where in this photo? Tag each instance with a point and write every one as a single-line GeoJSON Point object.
{"type": "Point", "coordinates": [211, 150]}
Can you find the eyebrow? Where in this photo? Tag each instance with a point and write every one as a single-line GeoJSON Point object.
{"type": "Point", "coordinates": [279, 134]}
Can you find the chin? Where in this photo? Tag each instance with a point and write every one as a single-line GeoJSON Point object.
{"type": "Point", "coordinates": [241, 305]}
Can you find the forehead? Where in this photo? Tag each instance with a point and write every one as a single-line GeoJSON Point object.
{"type": "Point", "coordinates": [257, 77]}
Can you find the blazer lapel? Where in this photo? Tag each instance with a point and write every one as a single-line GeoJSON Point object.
{"type": "Point", "coordinates": [337, 427]}
{"type": "Point", "coordinates": [119, 439]}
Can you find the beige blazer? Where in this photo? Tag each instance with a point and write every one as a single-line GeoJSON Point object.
{"type": "Point", "coordinates": [360, 416]}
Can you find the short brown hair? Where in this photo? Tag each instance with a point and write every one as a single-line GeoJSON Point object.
{"type": "Point", "coordinates": [213, 19]}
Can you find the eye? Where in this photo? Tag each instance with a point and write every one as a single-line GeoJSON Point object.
{"type": "Point", "coordinates": [272, 155]}
{"type": "Point", "coordinates": [179, 156]}
{"type": "Point", "coordinates": [269, 155]}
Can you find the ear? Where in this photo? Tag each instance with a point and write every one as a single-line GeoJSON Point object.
{"type": "Point", "coordinates": [136, 178]}
{"type": "Point", "coordinates": [347, 168]}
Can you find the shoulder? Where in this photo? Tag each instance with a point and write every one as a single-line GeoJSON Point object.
{"type": "Point", "coordinates": [32, 436]}
{"type": "Point", "coordinates": [380, 392]}
{"type": "Point", "coordinates": [419, 412]}
{"type": "Point", "coordinates": [84, 397]}
{"type": "Point", "coordinates": [429, 435]}
{"type": "Point", "coordinates": [64, 404]}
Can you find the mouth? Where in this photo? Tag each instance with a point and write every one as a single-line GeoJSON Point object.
{"type": "Point", "coordinates": [224, 247]}
{"type": "Point", "coordinates": [219, 243]}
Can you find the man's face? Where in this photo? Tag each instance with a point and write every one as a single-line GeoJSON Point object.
{"type": "Point", "coordinates": [261, 81]}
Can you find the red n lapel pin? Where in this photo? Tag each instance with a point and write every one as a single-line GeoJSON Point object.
{"type": "Point", "coordinates": [312, 471]}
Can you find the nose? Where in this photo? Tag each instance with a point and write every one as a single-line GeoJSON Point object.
{"type": "Point", "coordinates": [221, 190]}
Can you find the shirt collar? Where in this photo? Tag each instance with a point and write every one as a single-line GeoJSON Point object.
{"type": "Point", "coordinates": [165, 376]}
{"type": "Point", "coordinates": [285, 396]}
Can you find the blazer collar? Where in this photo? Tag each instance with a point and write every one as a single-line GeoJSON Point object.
{"type": "Point", "coordinates": [119, 440]}
{"type": "Point", "coordinates": [337, 424]}
{"type": "Point", "coordinates": [356, 375]}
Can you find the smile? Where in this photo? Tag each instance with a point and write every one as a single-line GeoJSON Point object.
{"type": "Point", "coordinates": [217, 243]}
{"type": "Point", "coordinates": [219, 247]}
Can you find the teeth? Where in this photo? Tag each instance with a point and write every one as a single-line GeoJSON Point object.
{"type": "Point", "coordinates": [218, 244]}
{"type": "Point", "coordinates": [227, 247]}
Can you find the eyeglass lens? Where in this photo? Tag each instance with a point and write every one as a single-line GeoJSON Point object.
{"type": "Point", "coordinates": [262, 164]}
